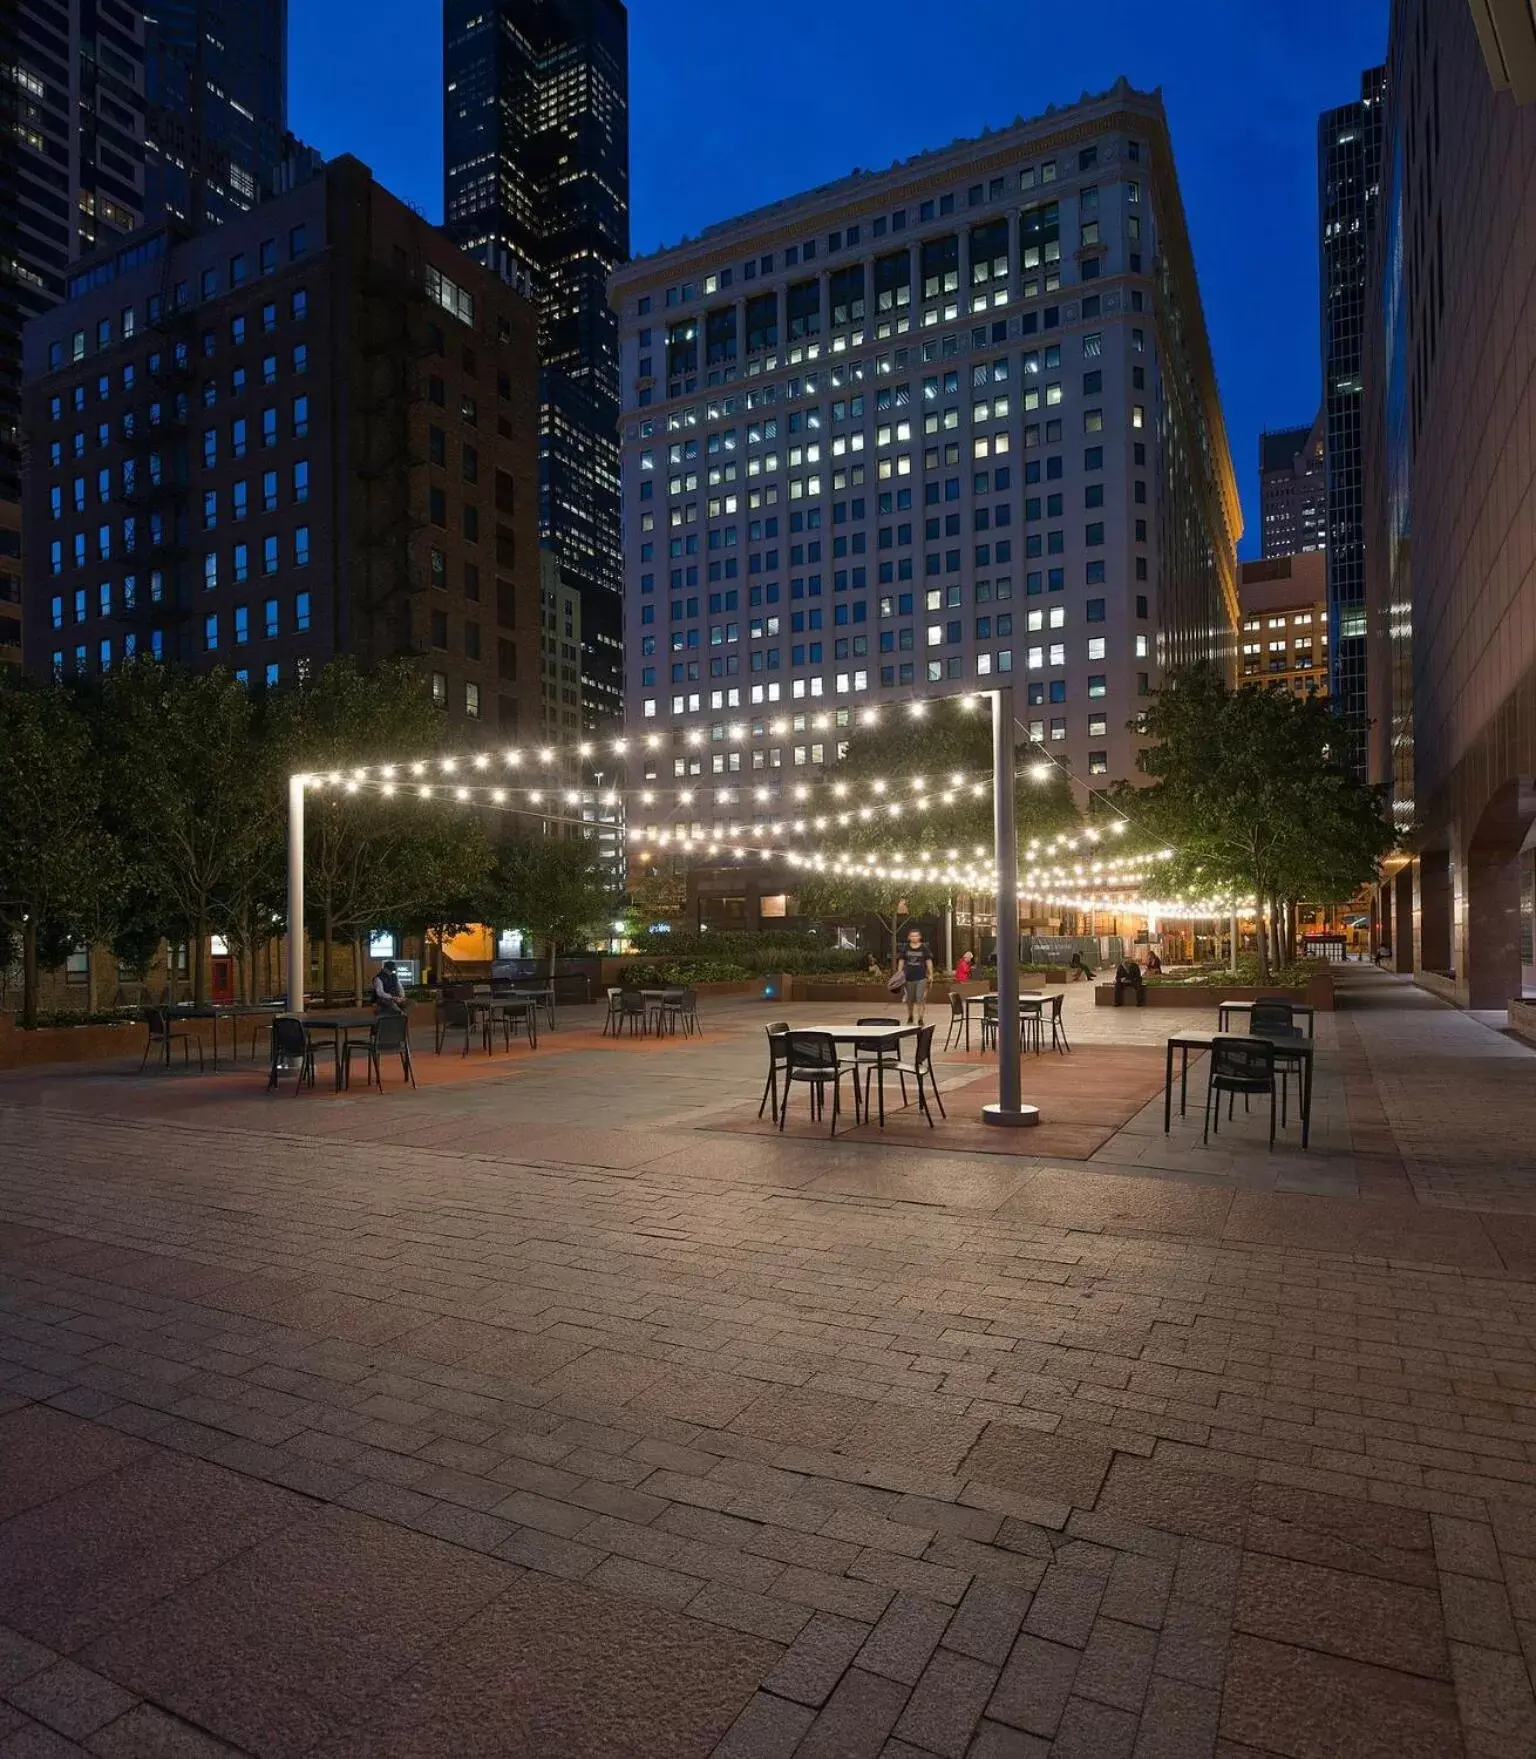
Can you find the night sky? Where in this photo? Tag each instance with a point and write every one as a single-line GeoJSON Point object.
{"type": "Point", "coordinates": [830, 89]}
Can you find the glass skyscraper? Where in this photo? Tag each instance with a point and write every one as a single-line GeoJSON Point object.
{"type": "Point", "coordinates": [536, 185]}
{"type": "Point", "coordinates": [1349, 197]}
{"type": "Point", "coordinates": [216, 91]}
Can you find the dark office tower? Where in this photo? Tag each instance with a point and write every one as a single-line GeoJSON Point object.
{"type": "Point", "coordinates": [1293, 494]}
{"type": "Point", "coordinates": [536, 185]}
{"type": "Point", "coordinates": [1349, 141]}
{"type": "Point", "coordinates": [217, 99]}
{"type": "Point", "coordinates": [71, 177]}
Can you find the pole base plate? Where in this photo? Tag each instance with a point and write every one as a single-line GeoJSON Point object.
{"type": "Point", "coordinates": [1025, 1116]}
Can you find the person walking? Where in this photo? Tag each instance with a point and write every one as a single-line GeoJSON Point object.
{"type": "Point", "coordinates": [914, 963]}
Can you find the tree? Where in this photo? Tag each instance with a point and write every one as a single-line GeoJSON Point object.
{"type": "Point", "coordinates": [1253, 797]}
{"type": "Point", "coordinates": [194, 786]}
{"type": "Point", "coordinates": [371, 860]}
{"type": "Point", "coordinates": [551, 885]}
{"type": "Point", "coordinates": [880, 768]}
{"type": "Point", "coordinates": [57, 859]}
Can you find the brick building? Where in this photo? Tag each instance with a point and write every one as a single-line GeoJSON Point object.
{"type": "Point", "coordinates": [310, 432]}
{"type": "Point", "coordinates": [1284, 638]}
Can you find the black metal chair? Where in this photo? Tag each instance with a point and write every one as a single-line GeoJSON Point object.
{"type": "Point", "coordinates": [1239, 1066]}
{"type": "Point", "coordinates": [1058, 1026]}
{"type": "Point", "coordinates": [1273, 1017]}
{"type": "Point", "coordinates": [633, 1012]}
{"type": "Point", "coordinates": [778, 1058]}
{"type": "Point", "coordinates": [163, 1032]}
{"type": "Point", "coordinates": [526, 1016]}
{"type": "Point", "coordinates": [454, 1014]}
{"type": "Point", "coordinates": [293, 1042]}
{"type": "Point", "coordinates": [956, 1019]}
{"type": "Point", "coordinates": [813, 1059]}
{"type": "Point", "coordinates": [880, 1056]}
{"type": "Point", "coordinates": [921, 1069]}
{"type": "Point", "coordinates": [989, 1022]}
{"type": "Point", "coordinates": [615, 1015]}
{"type": "Point", "coordinates": [386, 1036]}
{"type": "Point", "coordinates": [680, 1007]}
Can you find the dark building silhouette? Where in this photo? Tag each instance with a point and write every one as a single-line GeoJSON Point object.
{"type": "Point", "coordinates": [1349, 197]}
{"type": "Point", "coordinates": [536, 185]}
{"type": "Point", "coordinates": [1293, 490]}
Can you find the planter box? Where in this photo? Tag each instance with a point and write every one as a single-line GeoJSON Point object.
{"type": "Point", "coordinates": [67, 1044]}
{"type": "Point", "coordinates": [1522, 1020]}
{"type": "Point", "coordinates": [1318, 993]}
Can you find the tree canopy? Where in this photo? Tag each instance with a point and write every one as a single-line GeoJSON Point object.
{"type": "Point", "coordinates": [58, 859]}
{"type": "Point", "coordinates": [553, 886]}
{"type": "Point", "coordinates": [946, 741]}
{"type": "Point", "coordinates": [1253, 794]}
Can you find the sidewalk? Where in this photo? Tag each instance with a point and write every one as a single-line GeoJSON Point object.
{"type": "Point", "coordinates": [529, 1417]}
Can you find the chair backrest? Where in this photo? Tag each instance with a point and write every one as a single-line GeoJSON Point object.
{"type": "Point", "coordinates": [631, 1001]}
{"type": "Point", "coordinates": [1242, 1059]}
{"type": "Point", "coordinates": [989, 1008]}
{"type": "Point", "coordinates": [155, 1020]}
{"type": "Point", "coordinates": [689, 999]}
{"type": "Point", "coordinates": [924, 1055]}
{"type": "Point", "coordinates": [454, 1011]}
{"type": "Point", "coordinates": [877, 1020]}
{"type": "Point", "coordinates": [956, 1005]}
{"type": "Point", "coordinates": [1270, 1011]}
{"type": "Point", "coordinates": [615, 996]}
{"type": "Point", "coordinates": [288, 1036]}
{"type": "Point", "coordinates": [778, 1041]}
{"type": "Point", "coordinates": [1056, 1007]}
{"type": "Point", "coordinates": [812, 1050]}
{"type": "Point", "coordinates": [389, 1032]}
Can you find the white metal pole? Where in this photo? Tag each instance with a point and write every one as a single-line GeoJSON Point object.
{"type": "Point", "coordinates": [1007, 1112]}
{"type": "Point", "coordinates": [297, 951]}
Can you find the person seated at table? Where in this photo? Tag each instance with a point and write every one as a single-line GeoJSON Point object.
{"type": "Point", "coordinates": [388, 992]}
{"type": "Point", "coordinates": [1128, 976]}
{"type": "Point", "coordinates": [966, 964]}
{"type": "Point", "coordinates": [1154, 964]}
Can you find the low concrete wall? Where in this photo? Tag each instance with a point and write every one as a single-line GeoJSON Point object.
{"type": "Point", "coordinates": [1318, 992]}
{"type": "Point", "coordinates": [1522, 1020]}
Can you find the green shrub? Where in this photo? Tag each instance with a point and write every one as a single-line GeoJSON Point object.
{"type": "Point", "coordinates": [757, 955]}
{"type": "Point", "coordinates": [672, 973]}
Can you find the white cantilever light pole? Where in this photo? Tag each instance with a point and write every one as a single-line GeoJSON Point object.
{"type": "Point", "coordinates": [1008, 1112]}
{"type": "Point", "coordinates": [297, 948]}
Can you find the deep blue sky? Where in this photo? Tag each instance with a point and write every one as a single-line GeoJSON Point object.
{"type": "Point", "coordinates": [719, 126]}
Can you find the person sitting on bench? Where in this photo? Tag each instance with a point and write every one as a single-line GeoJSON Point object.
{"type": "Point", "coordinates": [1128, 976]}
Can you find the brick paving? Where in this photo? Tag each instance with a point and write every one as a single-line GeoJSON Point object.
{"type": "Point", "coordinates": [433, 1425]}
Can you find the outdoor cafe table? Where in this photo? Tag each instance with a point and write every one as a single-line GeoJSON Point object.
{"type": "Point", "coordinates": [1298, 1050]}
{"type": "Point", "coordinates": [338, 1023]}
{"type": "Point", "coordinates": [489, 1006]}
{"type": "Point", "coordinates": [1305, 1008]}
{"type": "Point", "coordinates": [867, 1038]}
{"type": "Point", "coordinates": [1030, 1002]}
{"type": "Point", "coordinates": [234, 1012]}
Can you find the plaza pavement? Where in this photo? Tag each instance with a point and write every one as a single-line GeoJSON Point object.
{"type": "Point", "coordinates": [553, 1409]}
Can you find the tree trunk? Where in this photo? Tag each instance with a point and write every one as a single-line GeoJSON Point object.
{"type": "Point", "coordinates": [199, 941]}
{"type": "Point", "coordinates": [29, 972]}
{"type": "Point", "coordinates": [357, 966]}
{"type": "Point", "coordinates": [1261, 935]}
{"type": "Point", "coordinates": [325, 954]}
{"type": "Point", "coordinates": [554, 949]}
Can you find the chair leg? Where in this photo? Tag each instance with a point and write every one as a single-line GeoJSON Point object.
{"type": "Point", "coordinates": [1210, 1088]}
{"type": "Point", "coordinates": [1271, 1115]}
{"type": "Point", "coordinates": [837, 1101]}
{"type": "Point", "coordinates": [933, 1082]}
